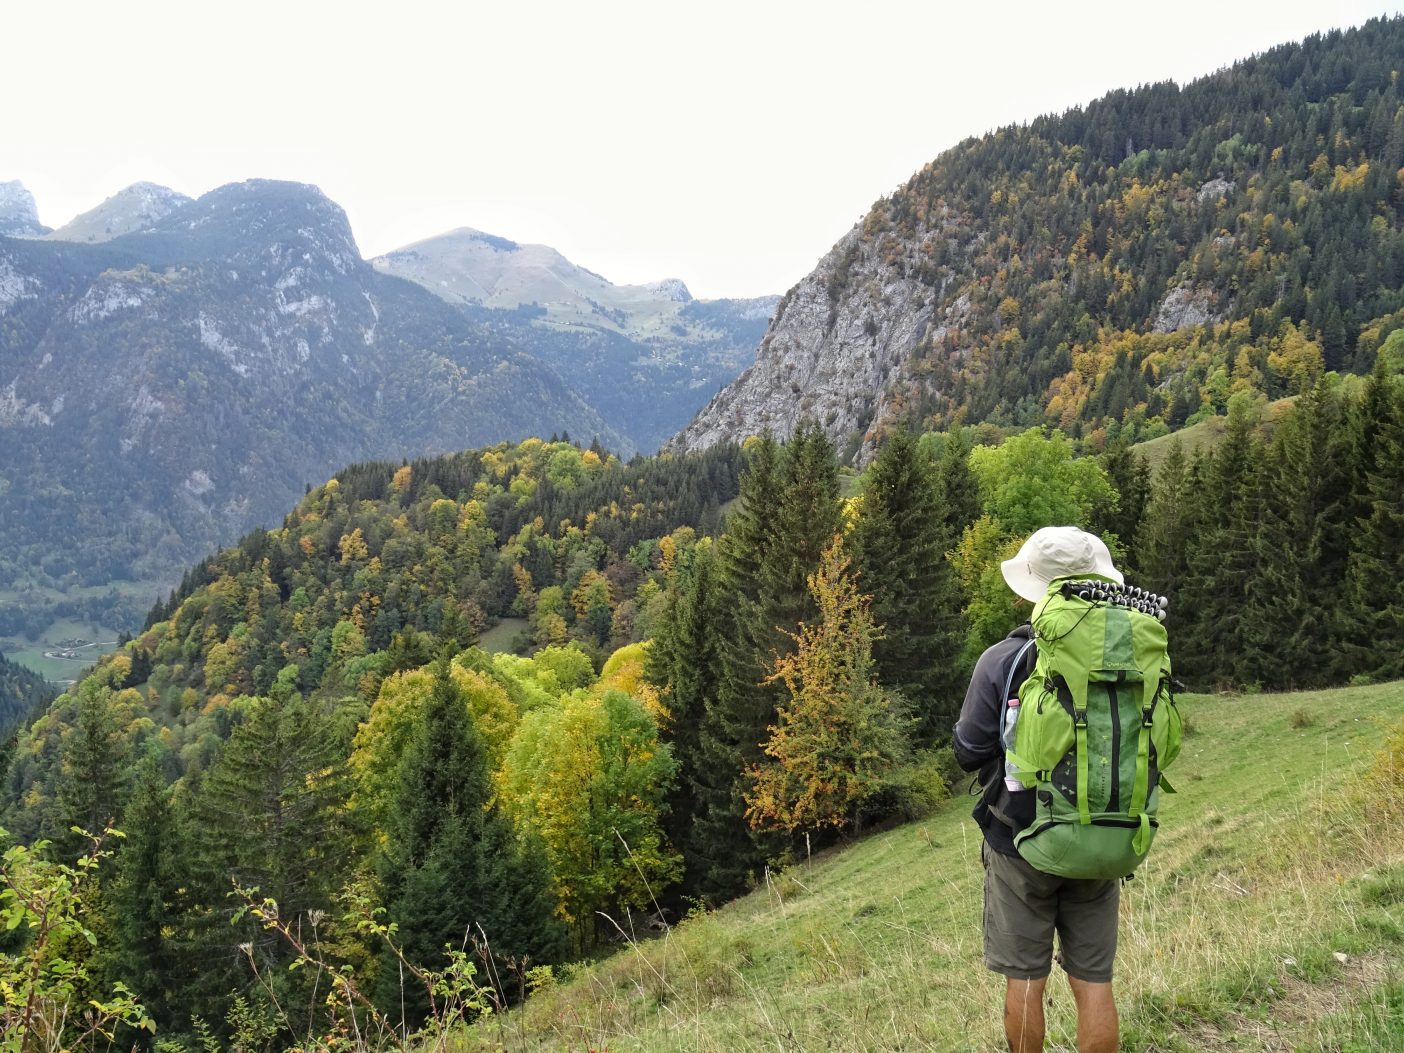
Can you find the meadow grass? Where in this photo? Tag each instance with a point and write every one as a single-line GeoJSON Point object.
{"type": "Point", "coordinates": [1269, 916]}
{"type": "Point", "coordinates": [501, 635]}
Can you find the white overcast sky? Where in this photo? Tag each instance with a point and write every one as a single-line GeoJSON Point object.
{"type": "Point", "coordinates": [725, 143]}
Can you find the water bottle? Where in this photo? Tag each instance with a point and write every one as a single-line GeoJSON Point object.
{"type": "Point", "coordinates": [1011, 715]}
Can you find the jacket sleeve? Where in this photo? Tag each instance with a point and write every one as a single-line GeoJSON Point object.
{"type": "Point", "coordinates": [976, 737]}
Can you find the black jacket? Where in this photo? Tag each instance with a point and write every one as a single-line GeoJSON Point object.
{"type": "Point", "coordinates": [977, 740]}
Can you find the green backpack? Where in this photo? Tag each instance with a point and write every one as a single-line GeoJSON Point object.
{"type": "Point", "coordinates": [1095, 726]}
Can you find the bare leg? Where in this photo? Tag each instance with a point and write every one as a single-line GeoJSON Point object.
{"type": "Point", "coordinates": [1023, 1015]}
{"type": "Point", "coordinates": [1096, 1016]}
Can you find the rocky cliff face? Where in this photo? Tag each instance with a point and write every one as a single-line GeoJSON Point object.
{"type": "Point", "coordinates": [1051, 274]}
{"type": "Point", "coordinates": [835, 352]}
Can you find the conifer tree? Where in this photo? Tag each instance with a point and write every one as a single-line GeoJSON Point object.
{"type": "Point", "coordinates": [719, 850]}
{"type": "Point", "coordinates": [1162, 539]}
{"type": "Point", "coordinates": [789, 512]}
{"type": "Point", "coordinates": [93, 778]}
{"type": "Point", "coordinates": [899, 555]}
{"type": "Point", "coordinates": [838, 735]}
{"type": "Point", "coordinates": [1304, 541]}
{"type": "Point", "coordinates": [143, 902]}
{"type": "Point", "coordinates": [1129, 474]}
{"type": "Point", "coordinates": [1221, 560]}
{"type": "Point", "coordinates": [684, 662]}
{"type": "Point", "coordinates": [1376, 610]}
{"type": "Point", "coordinates": [270, 816]}
{"type": "Point", "coordinates": [452, 872]}
{"type": "Point", "coordinates": [957, 485]}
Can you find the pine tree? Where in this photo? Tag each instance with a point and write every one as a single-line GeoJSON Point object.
{"type": "Point", "coordinates": [452, 872]}
{"type": "Point", "coordinates": [899, 555]}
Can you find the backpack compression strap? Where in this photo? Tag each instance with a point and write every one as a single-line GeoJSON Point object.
{"type": "Point", "coordinates": [1141, 790]}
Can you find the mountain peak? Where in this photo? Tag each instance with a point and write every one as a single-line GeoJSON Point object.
{"type": "Point", "coordinates": [137, 207]}
{"type": "Point", "coordinates": [19, 217]}
{"type": "Point", "coordinates": [671, 289]}
{"type": "Point", "coordinates": [263, 222]}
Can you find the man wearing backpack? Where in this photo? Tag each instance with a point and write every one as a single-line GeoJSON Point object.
{"type": "Point", "coordinates": [1025, 906]}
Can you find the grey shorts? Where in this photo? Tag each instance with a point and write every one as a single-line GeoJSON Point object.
{"type": "Point", "coordinates": [1024, 907]}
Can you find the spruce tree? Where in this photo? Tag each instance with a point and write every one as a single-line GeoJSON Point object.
{"type": "Point", "coordinates": [92, 784]}
{"type": "Point", "coordinates": [719, 850]}
{"type": "Point", "coordinates": [1129, 474]}
{"type": "Point", "coordinates": [899, 543]}
{"type": "Point", "coordinates": [1162, 539]}
{"type": "Point", "coordinates": [1375, 642]}
{"type": "Point", "coordinates": [143, 902]}
{"type": "Point", "coordinates": [684, 662]}
{"type": "Point", "coordinates": [1305, 539]}
{"type": "Point", "coordinates": [269, 816]}
{"type": "Point", "coordinates": [1221, 561]}
{"type": "Point", "coordinates": [789, 511]}
{"type": "Point", "coordinates": [957, 485]}
{"type": "Point", "coordinates": [452, 872]}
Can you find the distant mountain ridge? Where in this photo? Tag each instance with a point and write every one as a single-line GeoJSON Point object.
{"type": "Point", "coordinates": [614, 341]}
{"type": "Point", "coordinates": [1119, 269]}
{"type": "Point", "coordinates": [170, 388]}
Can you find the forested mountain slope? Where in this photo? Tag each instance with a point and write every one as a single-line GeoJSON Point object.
{"type": "Point", "coordinates": [165, 391]}
{"type": "Point", "coordinates": [21, 693]}
{"type": "Point", "coordinates": [1119, 269]}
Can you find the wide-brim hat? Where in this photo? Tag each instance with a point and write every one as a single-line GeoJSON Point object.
{"type": "Point", "coordinates": [1056, 552]}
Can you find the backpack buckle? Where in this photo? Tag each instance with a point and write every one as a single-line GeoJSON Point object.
{"type": "Point", "coordinates": [1080, 718]}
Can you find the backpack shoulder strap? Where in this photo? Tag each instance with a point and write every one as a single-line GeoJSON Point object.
{"type": "Point", "coordinates": [1014, 669]}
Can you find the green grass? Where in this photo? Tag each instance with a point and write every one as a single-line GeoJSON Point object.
{"type": "Point", "coordinates": [1270, 863]}
{"type": "Point", "coordinates": [1202, 436]}
{"type": "Point", "coordinates": [31, 653]}
{"type": "Point", "coordinates": [500, 636]}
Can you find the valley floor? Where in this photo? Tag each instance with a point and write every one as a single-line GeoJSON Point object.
{"type": "Point", "coordinates": [1269, 917]}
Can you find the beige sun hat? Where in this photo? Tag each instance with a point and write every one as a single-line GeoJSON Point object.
{"type": "Point", "coordinates": [1056, 552]}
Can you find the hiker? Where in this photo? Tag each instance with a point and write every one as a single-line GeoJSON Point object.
{"type": "Point", "coordinates": [1025, 906]}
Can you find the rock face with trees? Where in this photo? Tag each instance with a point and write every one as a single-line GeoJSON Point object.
{"type": "Point", "coordinates": [1116, 270]}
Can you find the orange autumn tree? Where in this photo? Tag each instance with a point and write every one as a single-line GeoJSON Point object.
{"type": "Point", "coordinates": [840, 737]}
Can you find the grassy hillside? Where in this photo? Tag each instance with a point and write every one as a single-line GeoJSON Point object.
{"type": "Point", "coordinates": [1270, 916]}
{"type": "Point", "coordinates": [1204, 436]}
